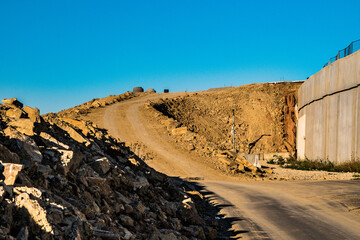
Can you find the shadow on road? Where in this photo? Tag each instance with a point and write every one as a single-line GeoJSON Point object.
{"type": "Point", "coordinates": [208, 208]}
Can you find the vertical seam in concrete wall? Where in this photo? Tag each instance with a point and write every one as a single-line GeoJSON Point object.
{"type": "Point", "coordinates": [325, 105]}
{"type": "Point", "coordinates": [355, 124]}
{"type": "Point", "coordinates": [337, 127]}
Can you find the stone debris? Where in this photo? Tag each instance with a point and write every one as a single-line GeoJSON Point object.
{"type": "Point", "coordinates": [63, 178]}
{"type": "Point", "coordinates": [84, 108]}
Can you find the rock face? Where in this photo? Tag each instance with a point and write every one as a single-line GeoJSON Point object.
{"type": "Point", "coordinates": [74, 181]}
{"type": "Point", "coordinates": [264, 116]}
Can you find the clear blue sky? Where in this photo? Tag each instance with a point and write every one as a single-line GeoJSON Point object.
{"type": "Point", "coordinates": [57, 54]}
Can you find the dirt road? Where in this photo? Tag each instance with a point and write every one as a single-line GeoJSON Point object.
{"type": "Point", "coordinates": [257, 210]}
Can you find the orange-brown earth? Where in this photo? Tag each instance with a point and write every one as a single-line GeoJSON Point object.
{"type": "Point", "coordinates": [264, 116]}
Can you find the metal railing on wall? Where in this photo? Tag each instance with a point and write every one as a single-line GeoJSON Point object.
{"type": "Point", "coordinates": [353, 47]}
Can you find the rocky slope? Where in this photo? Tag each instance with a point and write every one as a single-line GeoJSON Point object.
{"type": "Point", "coordinates": [61, 178]}
{"type": "Point", "coordinates": [94, 103]}
{"type": "Point", "coordinates": [265, 120]}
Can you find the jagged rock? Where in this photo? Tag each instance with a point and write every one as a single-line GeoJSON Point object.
{"type": "Point", "coordinates": [140, 182]}
{"type": "Point", "coordinates": [33, 114]}
{"type": "Point", "coordinates": [69, 160]}
{"type": "Point", "coordinates": [13, 102]}
{"type": "Point", "coordinates": [2, 193]}
{"type": "Point", "coordinates": [54, 142]}
{"type": "Point", "coordinates": [28, 147]}
{"type": "Point", "coordinates": [188, 212]}
{"type": "Point", "coordinates": [168, 236]}
{"type": "Point", "coordinates": [45, 170]}
{"type": "Point", "coordinates": [95, 180]}
{"type": "Point", "coordinates": [101, 165]}
{"type": "Point", "coordinates": [78, 124]}
{"type": "Point", "coordinates": [179, 131]}
{"type": "Point", "coordinates": [127, 221]}
{"type": "Point", "coordinates": [105, 234]}
{"type": "Point", "coordinates": [140, 207]}
{"type": "Point", "coordinates": [96, 104]}
{"type": "Point", "coordinates": [196, 231]}
{"type": "Point", "coordinates": [23, 234]}
{"type": "Point", "coordinates": [73, 133]}
{"type": "Point", "coordinates": [10, 172]}
{"type": "Point", "coordinates": [189, 137]}
{"type": "Point", "coordinates": [14, 113]}
{"type": "Point", "coordinates": [170, 123]}
{"type": "Point", "coordinates": [24, 125]}
{"type": "Point", "coordinates": [37, 213]}
{"type": "Point", "coordinates": [7, 156]}
{"type": "Point", "coordinates": [190, 147]}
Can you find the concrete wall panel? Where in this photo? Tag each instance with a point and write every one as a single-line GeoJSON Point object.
{"type": "Point", "coordinates": [345, 126]}
{"type": "Point", "coordinates": [329, 112]}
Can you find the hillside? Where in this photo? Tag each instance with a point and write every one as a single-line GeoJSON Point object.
{"type": "Point", "coordinates": [265, 120]}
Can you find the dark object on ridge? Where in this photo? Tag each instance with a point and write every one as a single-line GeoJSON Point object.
{"type": "Point", "coordinates": [138, 89]}
{"type": "Point", "coordinates": [166, 90]}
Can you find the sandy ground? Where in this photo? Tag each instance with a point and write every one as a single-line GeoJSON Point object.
{"type": "Point", "coordinates": [257, 209]}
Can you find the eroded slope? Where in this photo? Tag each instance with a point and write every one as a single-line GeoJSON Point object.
{"type": "Point", "coordinates": [264, 116]}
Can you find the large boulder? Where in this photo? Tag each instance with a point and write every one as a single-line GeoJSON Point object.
{"type": "Point", "coordinates": [179, 131]}
{"type": "Point", "coordinates": [27, 146]}
{"type": "Point", "coordinates": [7, 156]}
{"type": "Point", "coordinates": [138, 90]}
{"type": "Point", "coordinates": [14, 113]}
{"type": "Point", "coordinates": [11, 171]}
{"type": "Point", "coordinates": [101, 165]}
{"type": "Point", "coordinates": [96, 104]}
{"type": "Point", "coordinates": [24, 125]}
{"type": "Point", "coordinates": [150, 90]}
{"type": "Point", "coordinates": [69, 160]}
{"type": "Point", "coordinates": [33, 114]}
{"type": "Point", "coordinates": [13, 102]}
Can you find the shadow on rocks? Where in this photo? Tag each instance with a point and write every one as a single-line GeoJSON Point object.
{"type": "Point", "coordinates": [209, 211]}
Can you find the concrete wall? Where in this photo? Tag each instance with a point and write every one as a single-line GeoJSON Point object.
{"type": "Point", "coordinates": [329, 112]}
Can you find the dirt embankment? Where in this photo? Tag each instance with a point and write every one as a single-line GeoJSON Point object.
{"type": "Point", "coordinates": [62, 178]}
{"type": "Point", "coordinates": [265, 120]}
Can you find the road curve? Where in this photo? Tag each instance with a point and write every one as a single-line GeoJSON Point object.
{"type": "Point", "coordinates": [258, 210]}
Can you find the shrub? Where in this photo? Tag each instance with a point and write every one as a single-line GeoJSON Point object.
{"type": "Point", "coordinates": [319, 164]}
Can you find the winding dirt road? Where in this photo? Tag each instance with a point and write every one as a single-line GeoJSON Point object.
{"type": "Point", "coordinates": [257, 210]}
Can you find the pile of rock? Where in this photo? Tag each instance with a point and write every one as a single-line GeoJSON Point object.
{"type": "Point", "coordinates": [95, 103]}
{"type": "Point", "coordinates": [62, 178]}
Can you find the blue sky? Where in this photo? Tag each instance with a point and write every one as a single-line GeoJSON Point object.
{"type": "Point", "coordinates": [58, 54]}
